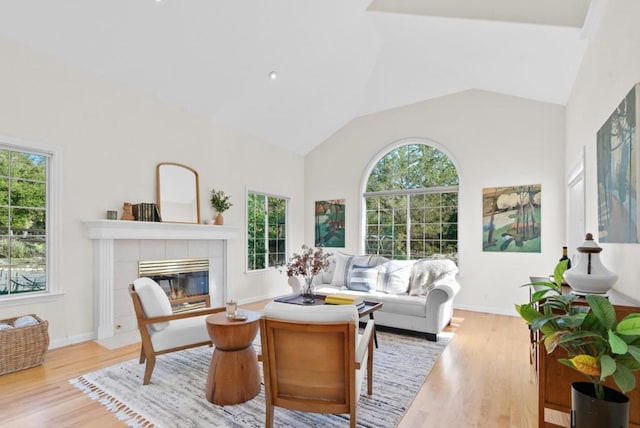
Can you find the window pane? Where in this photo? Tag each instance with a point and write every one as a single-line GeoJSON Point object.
{"type": "Point", "coordinates": [417, 201]}
{"type": "Point", "coordinates": [432, 200]}
{"type": "Point", "coordinates": [4, 163]}
{"type": "Point", "coordinates": [27, 165]}
{"type": "Point", "coordinates": [28, 193]}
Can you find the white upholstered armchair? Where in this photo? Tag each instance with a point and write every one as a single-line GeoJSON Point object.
{"type": "Point", "coordinates": [161, 331]}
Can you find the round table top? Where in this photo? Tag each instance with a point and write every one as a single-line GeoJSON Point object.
{"type": "Point", "coordinates": [221, 318]}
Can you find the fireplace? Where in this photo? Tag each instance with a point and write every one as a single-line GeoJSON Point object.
{"type": "Point", "coordinates": [185, 281]}
{"type": "Point", "coordinates": [120, 245]}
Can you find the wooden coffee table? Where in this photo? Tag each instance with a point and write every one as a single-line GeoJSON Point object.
{"type": "Point", "coordinates": [234, 375]}
{"type": "Point", "coordinates": [368, 309]}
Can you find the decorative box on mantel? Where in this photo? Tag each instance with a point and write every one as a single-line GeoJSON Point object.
{"type": "Point", "coordinates": [155, 238]}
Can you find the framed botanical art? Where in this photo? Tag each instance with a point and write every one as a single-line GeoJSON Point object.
{"type": "Point", "coordinates": [511, 218]}
{"type": "Point", "coordinates": [618, 181]}
{"type": "Point", "coordinates": [329, 217]}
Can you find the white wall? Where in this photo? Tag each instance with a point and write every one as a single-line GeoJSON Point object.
{"type": "Point", "coordinates": [610, 68]}
{"type": "Point", "coordinates": [112, 139]}
{"type": "Point", "coordinates": [495, 140]}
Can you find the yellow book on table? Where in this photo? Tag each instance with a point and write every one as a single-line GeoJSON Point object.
{"type": "Point", "coordinates": [343, 299]}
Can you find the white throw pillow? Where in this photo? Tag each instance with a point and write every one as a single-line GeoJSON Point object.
{"type": "Point", "coordinates": [155, 302]}
{"type": "Point", "coordinates": [395, 276]}
{"type": "Point", "coordinates": [339, 277]}
{"type": "Point", "coordinates": [327, 274]}
{"type": "Point", "coordinates": [342, 271]}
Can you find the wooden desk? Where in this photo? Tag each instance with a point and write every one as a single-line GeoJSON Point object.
{"type": "Point", "coordinates": [234, 375]}
{"type": "Point", "coordinates": [555, 379]}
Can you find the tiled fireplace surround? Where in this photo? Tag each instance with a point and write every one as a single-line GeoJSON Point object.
{"type": "Point", "coordinates": [119, 245]}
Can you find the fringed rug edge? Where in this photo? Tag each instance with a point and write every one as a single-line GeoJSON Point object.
{"type": "Point", "coordinates": [111, 403]}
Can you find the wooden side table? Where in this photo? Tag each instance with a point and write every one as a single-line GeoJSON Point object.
{"type": "Point", "coordinates": [234, 375]}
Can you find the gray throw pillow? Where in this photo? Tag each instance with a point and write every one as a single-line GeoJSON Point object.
{"type": "Point", "coordinates": [363, 278]}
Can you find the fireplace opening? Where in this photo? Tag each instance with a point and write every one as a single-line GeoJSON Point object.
{"type": "Point", "coordinates": [185, 281]}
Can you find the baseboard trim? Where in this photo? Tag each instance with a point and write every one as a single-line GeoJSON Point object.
{"type": "Point", "coordinates": [72, 340]}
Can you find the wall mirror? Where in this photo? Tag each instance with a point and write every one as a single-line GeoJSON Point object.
{"type": "Point", "coordinates": [178, 193]}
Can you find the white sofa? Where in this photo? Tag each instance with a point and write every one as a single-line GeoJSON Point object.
{"type": "Point", "coordinates": [416, 295]}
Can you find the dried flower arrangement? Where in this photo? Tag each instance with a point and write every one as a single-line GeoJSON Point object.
{"type": "Point", "coordinates": [310, 262]}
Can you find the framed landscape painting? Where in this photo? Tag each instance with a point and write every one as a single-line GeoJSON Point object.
{"type": "Point", "coordinates": [511, 218]}
{"type": "Point", "coordinates": [617, 164]}
{"type": "Point", "coordinates": [330, 223]}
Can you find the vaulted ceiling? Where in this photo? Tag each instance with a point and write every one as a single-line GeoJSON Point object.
{"type": "Point", "coordinates": [334, 59]}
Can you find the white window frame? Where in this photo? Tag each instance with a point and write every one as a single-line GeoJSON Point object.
{"type": "Point", "coordinates": [374, 161]}
{"type": "Point", "coordinates": [287, 237]}
{"type": "Point", "coordinates": [54, 220]}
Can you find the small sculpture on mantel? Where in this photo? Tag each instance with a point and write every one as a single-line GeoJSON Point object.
{"type": "Point", "coordinates": [127, 211]}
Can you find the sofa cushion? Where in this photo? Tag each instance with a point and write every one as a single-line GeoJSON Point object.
{"type": "Point", "coordinates": [394, 277]}
{"type": "Point", "coordinates": [401, 304]}
{"type": "Point", "coordinates": [427, 272]}
{"type": "Point", "coordinates": [363, 278]}
{"type": "Point", "coordinates": [154, 301]}
{"type": "Point", "coordinates": [343, 267]}
{"type": "Point", "coordinates": [327, 274]}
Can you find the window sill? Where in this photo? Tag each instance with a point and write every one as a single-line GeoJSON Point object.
{"type": "Point", "coordinates": [29, 299]}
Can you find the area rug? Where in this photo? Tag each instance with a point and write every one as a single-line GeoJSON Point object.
{"type": "Point", "coordinates": [176, 395]}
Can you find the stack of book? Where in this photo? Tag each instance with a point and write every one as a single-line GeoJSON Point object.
{"type": "Point", "coordinates": [344, 299]}
{"type": "Point", "coordinates": [146, 212]}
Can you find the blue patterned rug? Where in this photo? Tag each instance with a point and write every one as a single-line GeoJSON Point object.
{"type": "Point", "coordinates": [176, 397]}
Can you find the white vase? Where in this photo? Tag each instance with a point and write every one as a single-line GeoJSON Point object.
{"type": "Point", "coordinates": [589, 276]}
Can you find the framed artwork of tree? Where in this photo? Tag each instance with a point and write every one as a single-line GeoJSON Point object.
{"type": "Point", "coordinates": [617, 164]}
{"type": "Point", "coordinates": [329, 216]}
{"type": "Point", "coordinates": [511, 218]}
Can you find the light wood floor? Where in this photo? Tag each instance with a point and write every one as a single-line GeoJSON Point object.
{"type": "Point", "coordinates": [482, 379]}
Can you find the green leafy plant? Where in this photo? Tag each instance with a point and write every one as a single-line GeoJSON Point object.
{"type": "Point", "coordinates": [220, 201]}
{"type": "Point", "coordinates": [597, 345]}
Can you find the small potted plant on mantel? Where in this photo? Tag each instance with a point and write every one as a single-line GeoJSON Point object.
{"type": "Point", "coordinates": [597, 345]}
{"type": "Point", "coordinates": [220, 203]}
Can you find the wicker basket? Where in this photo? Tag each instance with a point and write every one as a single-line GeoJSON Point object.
{"type": "Point", "coordinates": [23, 347]}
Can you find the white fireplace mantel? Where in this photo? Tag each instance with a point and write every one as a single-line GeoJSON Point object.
{"type": "Point", "coordinates": [105, 232]}
{"type": "Point", "coordinates": [118, 229]}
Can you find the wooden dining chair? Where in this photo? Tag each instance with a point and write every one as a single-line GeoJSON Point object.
{"type": "Point", "coordinates": [314, 359]}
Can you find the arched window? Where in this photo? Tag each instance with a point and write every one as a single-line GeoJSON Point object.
{"type": "Point", "coordinates": [411, 203]}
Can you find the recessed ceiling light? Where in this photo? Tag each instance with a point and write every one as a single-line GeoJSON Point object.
{"type": "Point", "coordinates": [273, 75]}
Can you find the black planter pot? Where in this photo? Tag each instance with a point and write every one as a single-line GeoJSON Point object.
{"type": "Point", "coordinates": [589, 412]}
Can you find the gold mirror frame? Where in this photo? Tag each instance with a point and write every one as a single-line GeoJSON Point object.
{"type": "Point", "coordinates": [178, 193]}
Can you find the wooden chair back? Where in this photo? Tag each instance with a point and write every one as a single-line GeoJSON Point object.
{"type": "Point", "coordinates": [309, 367]}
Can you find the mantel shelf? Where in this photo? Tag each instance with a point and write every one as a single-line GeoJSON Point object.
{"type": "Point", "coordinates": [121, 229]}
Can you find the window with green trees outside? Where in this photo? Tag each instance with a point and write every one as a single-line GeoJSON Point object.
{"type": "Point", "coordinates": [266, 231]}
{"type": "Point", "coordinates": [411, 203]}
{"type": "Point", "coordinates": [23, 225]}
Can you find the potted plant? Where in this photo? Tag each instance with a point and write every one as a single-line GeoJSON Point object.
{"type": "Point", "coordinates": [220, 203]}
{"type": "Point", "coordinates": [597, 345]}
{"type": "Point", "coordinates": [310, 262]}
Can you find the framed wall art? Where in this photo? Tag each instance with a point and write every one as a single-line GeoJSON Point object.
{"type": "Point", "coordinates": [329, 217]}
{"type": "Point", "coordinates": [511, 218]}
{"type": "Point", "coordinates": [617, 165]}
